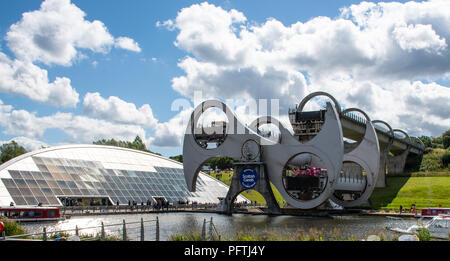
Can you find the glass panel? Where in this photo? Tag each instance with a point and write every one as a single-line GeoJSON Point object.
{"type": "Point", "coordinates": [47, 191]}
{"type": "Point", "coordinates": [110, 193]}
{"type": "Point", "coordinates": [19, 200]}
{"type": "Point", "coordinates": [9, 183]}
{"type": "Point", "coordinates": [67, 192]}
{"type": "Point", "coordinates": [47, 176]}
{"type": "Point", "coordinates": [62, 184]}
{"type": "Point", "coordinates": [42, 184]}
{"type": "Point", "coordinates": [53, 201]}
{"type": "Point", "coordinates": [52, 184]}
{"type": "Point", "coordinates": [106, 185]}
{"type": "Point", "coordinates": [37, 160]}
{"type": "Point", "coordinates": [76, 192]}
{"type": "Point", "coordinates": [57, 191]}
{"type": "Point", "coordinates": [42, 168]}
{"type": "Point", "coordinates": [119, 193]}
{"type": "Point", "coordinates": [19, 182]}
{"type": "Point", "coordinates": [26, 192]}
{"type": "Point", "coordinates": [26, 175]}
{"type": "Point", "coordinates": [71, 184]}
{"type": "Point", "coordinates": [37, 192]}
{"type": "Point", "coordinates": [15, 174]}
{"type": "Point", "coordinates": [42, 200]}
{"type": "Point", "coordinates": [31, 201]}
{"type": "Point", "coordinates": [37, 175]}
{"type": "Point", "coordinates": [93, 192]}
{"type": "Point", "coordinates": [80, 184]}
{"type": "Point", "coordinates": [31, 183]}
{"type": "Point", "coordinates": [125, 193]}
{"type": "Point", "coordinates": [66, 177]}
{"type": "Point", "coordinates": [114, 186]}
{"type": "Point", "coordinates": [57, 176]}
{"type": "Point", "coordinates": [14, 192]}
{"type": "Point", "coordinates": [75, 177]}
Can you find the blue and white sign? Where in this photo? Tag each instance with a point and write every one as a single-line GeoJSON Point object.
{"type": "Point", "coordinates": [248, 178]}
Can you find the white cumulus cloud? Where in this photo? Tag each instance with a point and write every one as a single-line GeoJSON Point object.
{"type": "Point", "coordinates": [27, 143]}
{"type": "Point", "coordinates": [127, 44]}
{"type": "Point", "coordinates": [24, 78]}
{"type": "Point", "coordinates": [54, 33]}
{"type": "Point", "coordinates": [375, 56]}
{"type": "Point", "coordinates": [116, 110]}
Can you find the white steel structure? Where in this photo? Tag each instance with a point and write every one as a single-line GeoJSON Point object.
{"type": "Point", "coordinates": [113, 174]}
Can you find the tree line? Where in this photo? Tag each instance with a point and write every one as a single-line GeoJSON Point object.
{"type": "Point", "coordinates": [12, 149]}
{"type": "Point", "coordinates": [437, 152]}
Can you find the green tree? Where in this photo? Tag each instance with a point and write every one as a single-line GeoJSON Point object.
{"type": "Point", "coordinates": [427, 141]}
{"type": "Point", "coordinates": [178, 158]}
{"type": "Point", "coordinates": [446, 159]}
{"type": "Point", "coordinates": [10, 150]}
{"type": "Point", "coordinates": [137, 144]}
{"type": "Point", "coordinates": [220, 163]}
{"type": "Point", "coordinates": [446, 139]}
{"type": "Point", "coordinates": [437, 142]}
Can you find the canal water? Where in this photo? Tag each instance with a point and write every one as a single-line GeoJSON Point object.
{"type": "Point", "coordinates": [173, 223]}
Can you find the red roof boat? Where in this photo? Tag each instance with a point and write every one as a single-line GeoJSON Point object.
{"type": "Point", "coordinates": [31, 213]}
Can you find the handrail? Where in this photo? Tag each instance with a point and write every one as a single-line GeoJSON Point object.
{"type": "Point", "coordinates": [358, 119]}
{"type": "Point", "coordinates": [76, 229]}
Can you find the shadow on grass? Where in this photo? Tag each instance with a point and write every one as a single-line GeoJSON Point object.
{"type": "Point", "coordinates": [384, 196]}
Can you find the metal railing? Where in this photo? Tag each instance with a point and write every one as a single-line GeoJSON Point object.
{"type": "Point", "coordinates": [101, 236]}
{"type": "Point", "coordinates": [73, 210]}
{"type": "Point", "coordinates": [209, 234]}
{"type": "Point", "coordinates": [362, 120]}
{"type": "Point", "coordinates": [212, 230]}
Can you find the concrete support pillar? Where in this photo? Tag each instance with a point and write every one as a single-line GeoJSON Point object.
{"type": "Point", "coordinates": [396, 164]}
{"type": "Point", "coordinates": [384, 158]}
{"type": "Point", "coordinates": [262, 186]}
{"type": "Point", "coordinates": [381, 179]}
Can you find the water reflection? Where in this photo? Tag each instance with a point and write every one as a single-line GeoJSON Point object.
{"type": "Point", "coordinates": [173, 223]}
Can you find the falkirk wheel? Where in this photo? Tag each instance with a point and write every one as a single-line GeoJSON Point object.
{"type": "Point", "coordinates": [306, 172]}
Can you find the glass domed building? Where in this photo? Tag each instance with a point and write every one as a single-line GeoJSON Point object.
{"type": "Point", "coordinates": [105, 174]}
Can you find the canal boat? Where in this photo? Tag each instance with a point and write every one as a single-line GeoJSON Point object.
{"type": "Point", "coordinates": [31, 213]}
{"type": "Point", "coordinates": [431, 212]}
{"type": "Point", "coordinates": [439, 227]}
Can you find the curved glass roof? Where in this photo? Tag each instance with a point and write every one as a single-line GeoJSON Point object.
{"type": "Point", "coordinates": [94, 171]}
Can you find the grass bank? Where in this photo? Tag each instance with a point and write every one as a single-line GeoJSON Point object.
{"type": "Point", "coordinates": [424, 191]}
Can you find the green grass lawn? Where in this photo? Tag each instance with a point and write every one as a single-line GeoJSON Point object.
{"type": "Point", "coordinates": [422, 191]}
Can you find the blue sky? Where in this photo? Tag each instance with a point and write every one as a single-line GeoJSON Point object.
{"type": "Point", "coordinates": [153, 69]}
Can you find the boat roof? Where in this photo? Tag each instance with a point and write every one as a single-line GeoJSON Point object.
{"type": "Point", "coordinates": [25, 207]}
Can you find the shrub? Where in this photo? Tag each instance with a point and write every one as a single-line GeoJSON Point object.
{"type": "Point", "coordinates": [433, 160]}
{"type": "Point", "coordinates": [12, 228]}
{"type": "Point", "coordinates": [423, 234]}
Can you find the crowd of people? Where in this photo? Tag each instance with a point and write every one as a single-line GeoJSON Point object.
{"type": "Point", "coordinates": [160, 204]}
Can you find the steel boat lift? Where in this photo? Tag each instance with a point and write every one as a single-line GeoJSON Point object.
{"type": "Point", "coordinates": [307, 173]}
